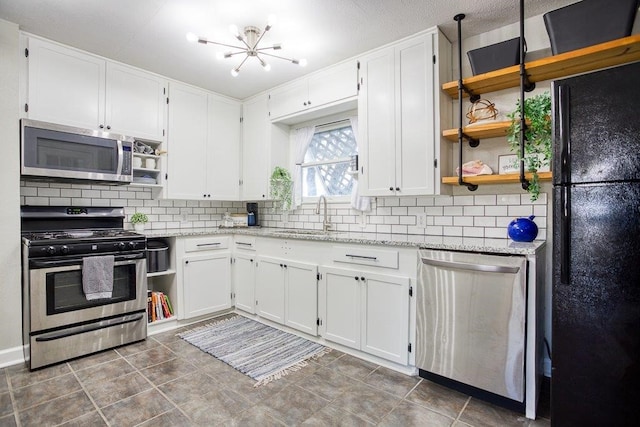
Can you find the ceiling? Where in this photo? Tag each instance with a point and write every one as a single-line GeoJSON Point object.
{"type": "Point", "coordinates": [150, 34]}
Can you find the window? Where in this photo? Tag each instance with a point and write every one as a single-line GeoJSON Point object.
{"type": "Point", "coordinates": [327, 162]}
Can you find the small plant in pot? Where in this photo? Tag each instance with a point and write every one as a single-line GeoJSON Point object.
{"type": "Point", "coordinates": [138, 220]}
{"type": "Point", "coordinates": [537, 146]}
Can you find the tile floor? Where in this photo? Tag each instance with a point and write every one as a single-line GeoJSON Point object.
{"type": "Point", "coordinates": [164, 381]}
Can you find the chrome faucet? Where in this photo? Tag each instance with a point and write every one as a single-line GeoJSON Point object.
{"type": "Point", "coordinates": [325, 221]}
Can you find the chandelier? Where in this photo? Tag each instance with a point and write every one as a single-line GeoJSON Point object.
{"type": "Point", "coordinates": [250, 38]}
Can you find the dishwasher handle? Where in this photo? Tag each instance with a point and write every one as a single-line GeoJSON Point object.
{"type": "Point", "coordinates": [472, 267]}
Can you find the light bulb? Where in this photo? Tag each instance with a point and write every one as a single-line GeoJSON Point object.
{"type": "Point", "coordinates": [266, 66]}
{"type": "Point", "coordinates": [302, 62]}
{"type": "Point", "coordinates": [235, 72]}
{"type": "Point", "coordinates": [271, 20]}
{"type": "Point", "coordinates": [234, 31]}
{"type": "Point", "coordinates": [192, 38]}
{"type": "Point", "coordinates": [277, 46]}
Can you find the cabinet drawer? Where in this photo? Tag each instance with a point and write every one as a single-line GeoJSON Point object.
{"type": "Point", "coordinates": [206, 244]}
{"type": "Point", "coordinates": [365, 256]}
{"type": "Point", "coordinates": [246, 243]}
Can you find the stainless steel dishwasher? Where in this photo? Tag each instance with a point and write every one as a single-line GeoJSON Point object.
{"type": "Point", "coordinates": [471, 312]}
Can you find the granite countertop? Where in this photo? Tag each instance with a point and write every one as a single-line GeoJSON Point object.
{"type": "Point", "coordinates": [469, 244]}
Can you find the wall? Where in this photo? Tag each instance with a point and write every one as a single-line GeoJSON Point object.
{"type": "Point", "coordinates": [11, 313]}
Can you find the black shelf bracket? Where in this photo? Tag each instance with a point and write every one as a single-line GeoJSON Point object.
{"type": "Point", "coordinates": [473, 142]}
{"type": "Point", "coordinates": [473, 97]}
{"type": "Point", "coordinates": [471, 187]}
{"type": "Point", "coordinates": [524, 81]}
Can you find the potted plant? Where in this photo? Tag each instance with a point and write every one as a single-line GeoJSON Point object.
{"type": "Point", "coordinates": [138, 220]}
{"type": "Point", "coordinates": [537, 147]}
{"type": "Point", "coordinates": [281, 188]}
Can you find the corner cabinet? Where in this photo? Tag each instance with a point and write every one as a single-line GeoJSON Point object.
{"type": "Point", "coordinates": [608, 54]}
{"type": "Point", "coordinates": [106, 95]}
{"type": "Point", "coordinates": [399, 111]}
{"type": "Point", "coordinates": [204, 145]}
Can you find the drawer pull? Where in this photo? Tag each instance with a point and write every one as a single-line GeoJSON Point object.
{"type": "Point", "coordinates": [372, 258]}
{"type": "Point", "coordinates": [207, 244]}
{"type": "Point", "coordinates": [244, 244]}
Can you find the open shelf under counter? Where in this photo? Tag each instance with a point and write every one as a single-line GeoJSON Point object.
{"type": "Point", "coordinates": [162, 273]}
{"type": "Point", "coordinates": [479, 131]}
{"type": "Point", "coordinates": [162, 325]}
{"type": "Point", "coordinates": [509, 178]}
{"type": "Point", "coordinates": [608, 54]}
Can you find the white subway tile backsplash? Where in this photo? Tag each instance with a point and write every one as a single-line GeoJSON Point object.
{"type": "Point", "coordinates": [459, 216]}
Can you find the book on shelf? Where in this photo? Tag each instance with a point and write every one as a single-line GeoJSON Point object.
{"type": "Point", "coordinates": [158, 306]}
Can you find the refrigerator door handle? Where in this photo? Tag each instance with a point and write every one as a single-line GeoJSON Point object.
{"type": "Point", "coordinates": [565, 140]}
{"type": "Point", "coordinates": [565, 234]}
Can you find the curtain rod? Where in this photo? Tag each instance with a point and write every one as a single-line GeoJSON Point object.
{"type": "Point", "coordinates": [335, 122]}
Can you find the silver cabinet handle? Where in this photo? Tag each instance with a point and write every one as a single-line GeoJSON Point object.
{"type": "Point", "coordinates": [244, 244]}
{"type": "Point", "coordinates": [472, 267]}
{"type": "Point", "coordinates": [207, 244]}
{"type": "Point", "coordinates": [372, 258]}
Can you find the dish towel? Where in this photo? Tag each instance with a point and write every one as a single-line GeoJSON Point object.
{"type": "Point", "coordinates": [97, 276]}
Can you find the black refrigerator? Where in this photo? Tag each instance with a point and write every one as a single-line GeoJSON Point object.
{"type": "Point", "coordinates": [595, 377]}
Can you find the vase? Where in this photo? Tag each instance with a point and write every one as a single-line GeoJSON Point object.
{"type": "Point", "coordinates": [139, 227]}
{"type": "Point", "coordinates": [523, 229]}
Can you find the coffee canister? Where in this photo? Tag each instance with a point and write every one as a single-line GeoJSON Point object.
{"type": "Point", "coordinates": [157, 256]}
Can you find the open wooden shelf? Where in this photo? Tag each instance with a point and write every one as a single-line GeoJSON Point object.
{"type": "Point", "coordinates": [480, 131]}
{"type": "Point", "coordinates": [510, 178]}
{"type": "Point", "coordinates": [590, 58]}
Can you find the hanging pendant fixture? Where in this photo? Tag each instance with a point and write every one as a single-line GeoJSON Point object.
{"type": "Point", "coordinates": [250, 38]}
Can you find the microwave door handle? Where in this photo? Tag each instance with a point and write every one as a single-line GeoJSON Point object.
{"type": "Point", "coordinates": [120, 157]}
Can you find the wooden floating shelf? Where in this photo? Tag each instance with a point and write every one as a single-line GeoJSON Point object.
{"type": "Point", "coordinates": [615, 52]}
{"type": "Point", "coordinates": [481, 131]}
{"type": "Point", "coordinates": [510, 178]}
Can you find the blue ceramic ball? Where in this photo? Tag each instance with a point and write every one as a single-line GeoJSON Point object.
{"type": "Point", "coordinates": [523, 229]}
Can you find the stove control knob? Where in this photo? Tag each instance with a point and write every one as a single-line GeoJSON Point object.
{"type": "Point", "coordinates": [50, 250]}
{"type": "Point", "coordinates": [64, 249]}
{"type": "Point", "coordinates": [133, 245]}
{"type": "Point", "coordinates": [122, 246]}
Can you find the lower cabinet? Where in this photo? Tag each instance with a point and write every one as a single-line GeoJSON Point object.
{"type": "Point", "coordinates": [206, 278]}
{"type": "Point", "coordinates": [366, 311]}
{"type": "Point", "coordinates": [244, 279]}
{"type": "Point", "coordinates": [286, 293]}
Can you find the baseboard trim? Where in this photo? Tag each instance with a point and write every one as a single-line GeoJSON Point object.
{"type": "Point", "coordinates": [11, 356]}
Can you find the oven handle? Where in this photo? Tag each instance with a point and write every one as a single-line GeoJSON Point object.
{"type": "Point", "coordinates": [88, 328]}
{"type": "Point", "coordinates": [119, 260]}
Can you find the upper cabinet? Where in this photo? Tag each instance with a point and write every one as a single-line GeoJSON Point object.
{"type": "Point", "coordinates": [320, 90]}
{"type": "Point", "coordinates": [70, 87]}
{"type": "Point", "coordinates": [400, 116]}
{"type": "Point", "coordinates": [203, 144]}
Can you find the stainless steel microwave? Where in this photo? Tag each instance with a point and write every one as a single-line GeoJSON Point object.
{"type": "Point", "coordinates": [63, 152]}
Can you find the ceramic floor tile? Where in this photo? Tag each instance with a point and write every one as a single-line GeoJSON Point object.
{"type": "Point", "coordinates": [105, 371]}
{"type": "Point", "coordinates": [366, 402]}
{"type": "Point", "coordinates": [215, 407]}
{"type": "Point", "coordinates": [352, 367]}
{"type": "Point", "coordinates": [438, 398]}
{"type": "Point", "coordinates": [326, 383]}
{"type": "Point", "coordinates": [57, 411]}
{"type": "Point", "coordinates": [293, 405]}
{"type": "Point", "coordinates": [168, 371]}
{"type": "Point", "coordinates": [151, 357]}
{"type": "Point", "coordinates": [4, 384]}
{"type": "Point", "coordinates": [173, 418]}
{"type": "Point", "coordinates": [410, 414]}
{"type": "Point", "coordinates": [6, 406]}
{"type": "Point", "coordinates": [244, 386]}
{"type": "Point", "coordinates": [109, 391]}
{"type": "Point", "coordinates": [138, 347]}
{"type": "Point", "coordinates": [92, 419]}
{"type": "Point", "coordinates": [46, 390]}
{"type": "Point", "coordinates": [329, 357]}
{"type": "Point", "coordinates": [479, 414]}
{"type": "Point", "coordinates": [332, 416]}
{"type": "Point", "coordinates": [8, 421]}
{"type": "Point", "coordinates": [391, 381]}
{"type": "Point", "coordinates": [137, 409]}
{"type": "Point", "coordinates": [188, 387]}
{"type": "Point", "coordinates": [254, 416]}
{"type": "Point", "coordinates": [93, 360]}
{"type": "Point", "coordinates": [20, 376]}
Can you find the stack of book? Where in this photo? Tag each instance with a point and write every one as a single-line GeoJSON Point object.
{"type": "Point", "coordinates": [158, 306]}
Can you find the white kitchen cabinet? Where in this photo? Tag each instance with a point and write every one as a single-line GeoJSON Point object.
{"type": "Point", "coordinates": [206, 276]}
{"type": "Point", "coordinates": [244, 281]}
{"type": "Point", "coordinates": [286, 292]}
{"type": "Point", "coordinates": [399, 139]}
{"type": "Point", "coordinates": [366, 311]}
{"type": "Point", "coordinates": [70, 87]}
{"type": "Point", "coordinates": [264, 146]}
{"type": "Point", "coordinates": [330, 85]}
{"type": "Point", "coordinates": [204, 145]}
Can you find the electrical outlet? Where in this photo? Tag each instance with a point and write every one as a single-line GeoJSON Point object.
{"type": "Point", "coordinates": [421, 220]}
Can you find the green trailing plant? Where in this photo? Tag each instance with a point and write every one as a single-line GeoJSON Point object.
{"type": "Point", "coordinates": [537, 147]}
{"type": "Point", "coordinates": [281, 188]}
{"type": "Point", "coordinates": [139, 218]}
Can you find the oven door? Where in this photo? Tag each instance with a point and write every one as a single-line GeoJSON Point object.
{"type": "Point", "coordinates": [57, 298]}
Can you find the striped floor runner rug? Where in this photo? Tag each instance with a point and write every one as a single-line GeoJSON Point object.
{"type": "Point", "coordinates": [257, 350]}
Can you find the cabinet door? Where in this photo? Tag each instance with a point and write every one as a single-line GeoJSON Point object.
{"type": "Point", "coordinates": [255, 149]}
{"type": "Point", "coordinates": [333, 84]}
{"type": "Point", "coordinates": [187, 142]}
{"type": "Point", "coordinates": [270, 289]}
{"type": "Point", "coordinates": [415, 149]}
{"type": "Point", "coordinates": [223, 149]}
{"type": "Point", "coordinates": [244, 281]}
{"type": "Point", "coordinates": [342, 290]}
{"type": "Point", "coordinates": [385, 325]}
{"type": "Point", "coordinates": [289, 99]}
{"type": "Point", "coordinates": [135, 102]}
{"type": "Point", "coordinates": [206, 284]}
{"type": "Point", "coordinates": [301, 297]}
{"type": "Point", "coordinates": [65, 86]}
{"type": "Point", "coordinates": [377, 134]}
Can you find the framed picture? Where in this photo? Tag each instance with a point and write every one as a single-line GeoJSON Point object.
{"type": "Point", "coordinates": [508, 163]}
